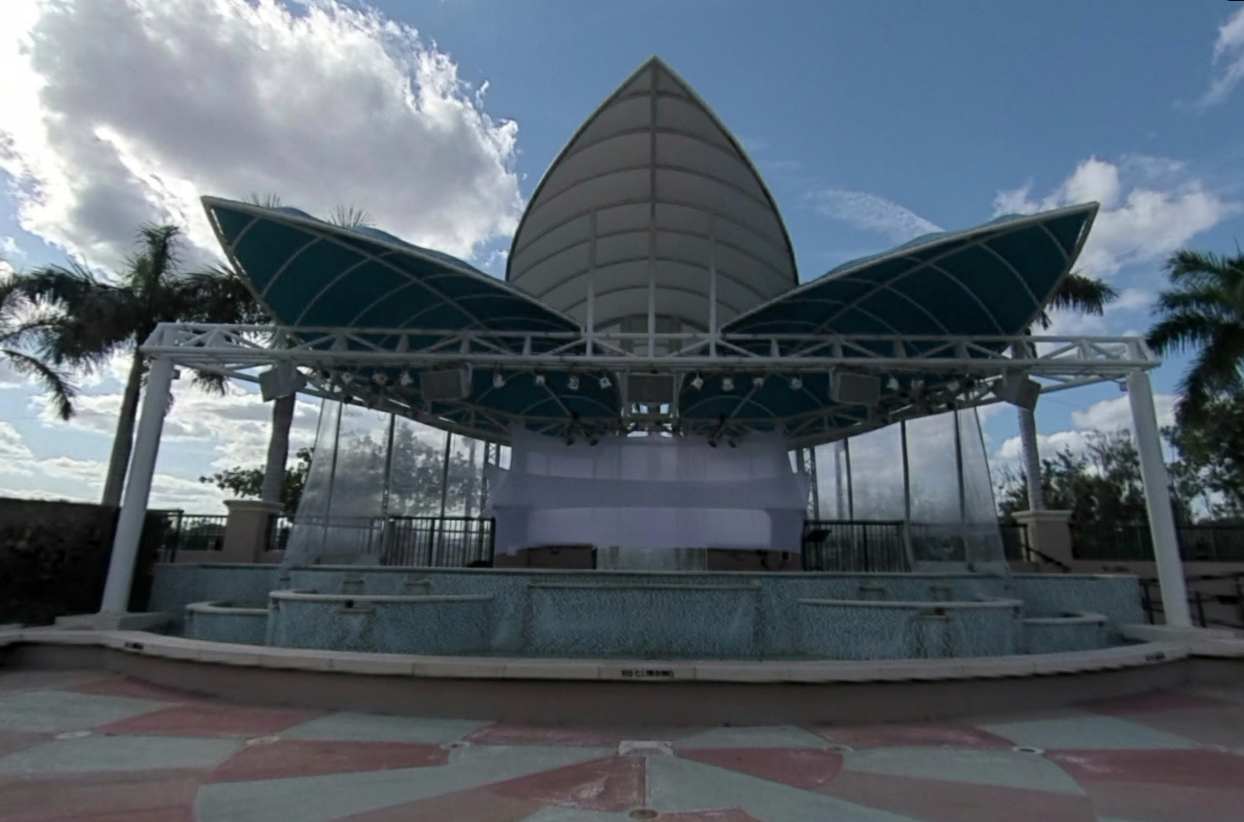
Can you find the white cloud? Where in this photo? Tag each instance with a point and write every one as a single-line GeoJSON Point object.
{"type": "Point", "coordinates": [1149, 209]}
{"type": "Point", "coordinates": [1106, 415]}
{"type": "Point", "coordinates": [1116, 414]}
{"type": "Point", "coordinates": [236, 426]}
{"type": "Point", "coordinates": [112, 114]}
{"type": "Point", "coordinates": [13, 448]}
{"type": "Point", "coordinates": [872, 213]}
{"type": "Point", "coordinates": [1228, 58]}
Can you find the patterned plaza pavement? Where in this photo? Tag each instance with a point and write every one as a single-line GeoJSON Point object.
{"type": "Point", "coordinates": [78, 746]}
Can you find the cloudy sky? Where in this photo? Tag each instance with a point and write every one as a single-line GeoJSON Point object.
{"type": "Point", "coordinates": [873, 123]}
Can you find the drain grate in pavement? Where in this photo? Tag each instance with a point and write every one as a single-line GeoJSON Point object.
{"type": "Point", "coordinates": [644, 747]}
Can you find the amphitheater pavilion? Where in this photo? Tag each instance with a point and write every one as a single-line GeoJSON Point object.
{"type": "Point", "coordinates": [660, 377]}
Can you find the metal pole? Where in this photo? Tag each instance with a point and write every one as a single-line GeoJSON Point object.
{"type": "Point", "coordinates": [470, 489]}
{"type": "Point", "coordinates": [438, 543]}
{"type": "Point", "coordinates": [846, 451]}
{"type": "Point", "coordinates": [385, 530]}
{"type": "Point", "coordinates": [1158, 501]}
{"type": "Point", "coordinates": [906, 476]}
{"type": "Point", "coordinates": [963, 503]}
{"type": "Point", "coordinates": [332, 478]}
{"type": "Point", "coordinates": [138, 489]}
{"type": "Point", "coordinates": [908, 547]}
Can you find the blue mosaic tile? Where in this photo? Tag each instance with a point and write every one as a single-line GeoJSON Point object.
{"type": "Point", "coordinates": [176, 586]}
{"type": "Point", "coordinates": [218, 626]}
{"type": "Point", "coordinates": [416, 626]}
{"type": "Point", "coordinates": [637, 614]}
{"type": "Point", "coordinates": [642, 621]}
{"type": "Point", "coordinates": [1050, 636]}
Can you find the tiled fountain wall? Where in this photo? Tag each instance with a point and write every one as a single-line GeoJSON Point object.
{"type": "Point", "coordinates": [613, 614]}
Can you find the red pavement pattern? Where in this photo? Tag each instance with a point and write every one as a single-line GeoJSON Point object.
{"type": "Point", "coordinates": [1186, 763]}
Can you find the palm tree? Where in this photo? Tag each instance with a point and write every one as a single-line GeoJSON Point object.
{"type": "Point", "coordinates": [20, 327]}
{"type": "Point", "coordinates": [90, 320]}
{"type": "Point", "coordinates": [1203, 311]}
{"type": "Point", "coordinates": [1081, 294]}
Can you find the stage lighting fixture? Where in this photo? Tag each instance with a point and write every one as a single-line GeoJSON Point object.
{"type": "Point", "coordinates": [539, 378]}
{"type": "Point", "coordinates": [727, 383]}
{"type": "Point", "coordinates": [605, 382]}
{"type": "Point", "coordinates": [758, 382]}
{"type": "Point", "coordinates": [572, 382]}
{"type": "Point", "coordinates": [405, 380]}
{"type": "Point", "coordinates": [697, 382]}
{"type": "Point", "coordinates": [498, 381]}
{"type": "Point", "coordinates": [796, 383]}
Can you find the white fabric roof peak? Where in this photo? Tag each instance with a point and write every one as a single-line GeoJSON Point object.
{"type": "Point", "coordinates": [651, 192]}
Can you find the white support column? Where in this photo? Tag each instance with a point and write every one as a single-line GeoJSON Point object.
{"type": "Point", "coordinates": [1158, 501]}
{"type": "Point", "coordinates": [138, 488]}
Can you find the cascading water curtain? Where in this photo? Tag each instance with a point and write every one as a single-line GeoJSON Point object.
{"type": "Point", "coordinates": [934, 476]}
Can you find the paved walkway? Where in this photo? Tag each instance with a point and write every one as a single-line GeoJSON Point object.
{"type": "Point", "coordinates": [78, 746]}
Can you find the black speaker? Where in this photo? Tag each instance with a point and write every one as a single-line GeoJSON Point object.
{"type": "Point", "coordinates": [650, 388]}
{"type": "Point", "coordinates": [855, 389]}
{"type": "Point", "coordinates": [440, 386]}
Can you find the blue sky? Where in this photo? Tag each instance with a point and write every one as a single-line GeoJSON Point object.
{"type": "Point", "coordinates": [870, 122]}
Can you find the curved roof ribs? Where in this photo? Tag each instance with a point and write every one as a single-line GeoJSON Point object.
{"type": "Point", "coordinates": [652, 159]}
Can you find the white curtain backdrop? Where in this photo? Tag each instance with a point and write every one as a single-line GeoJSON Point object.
{"type": "Point", "coordinates": [648, 492]}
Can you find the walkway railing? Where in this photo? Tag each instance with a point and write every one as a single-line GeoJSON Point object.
{"type": "Point", "coordinates": [174, 531]}
{"type": "Point", "coordinates": [1220, 607]}
{"type": "Point", "coordinates": [438, 542]}
{"type": "Point", "coordinates": [1131, 542]}
{"type": "Point", "coordinates": [855, 546]}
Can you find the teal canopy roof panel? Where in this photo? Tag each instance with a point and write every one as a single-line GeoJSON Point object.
{"type": "Point", "coordinates": [991, 280]}
{"type": "Point", "coordinates": [994, 279]}
{"type": "Point", "coordinates": [312, 273]}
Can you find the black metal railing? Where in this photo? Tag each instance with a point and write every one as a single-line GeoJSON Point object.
{"type": "Point", "coordinates": [1017, 547]}
{"type": "Point", "coordinates": [1132, 542]}
{"type": "Point", "coordinates": [437, 542]}
{"type": "Point", "coordinates": [1015, 544]}
{"type": "Point", "coordinates": [855, 546]}
{"type": "Point", "coordinates": [1221, 608]}
{"type": "Point", "coordinates": [175, 531]}
{"type": "Point", "coordinates": [279, 528]}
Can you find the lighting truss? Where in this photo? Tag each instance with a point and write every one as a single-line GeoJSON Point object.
{"type": "Point", "coordinates": [959, 371]}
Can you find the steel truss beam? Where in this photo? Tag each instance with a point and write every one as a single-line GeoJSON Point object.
{"type": "Point", "coordinates": [960, 370]}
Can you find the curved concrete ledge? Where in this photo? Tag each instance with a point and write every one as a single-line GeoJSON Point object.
{"type": "Point", "coordinates": [379, 599]}
{"type": "Point", "coordinates": [914, 605]}
{"type": "Point", "coordinates": [226, 608]}
{"type": "Point", "coordinates": [1081, 618]}
{"type": "Point", "coordinates": [647, 586]}
{"type": "Point", "coordinates": [221, 621]}
{"type": "Point", "coordinates": [612, 692]}
{"type": "Point", "coordinates": [1079, 631]}
{"type": "Point", "coordinates": [488, 667]}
